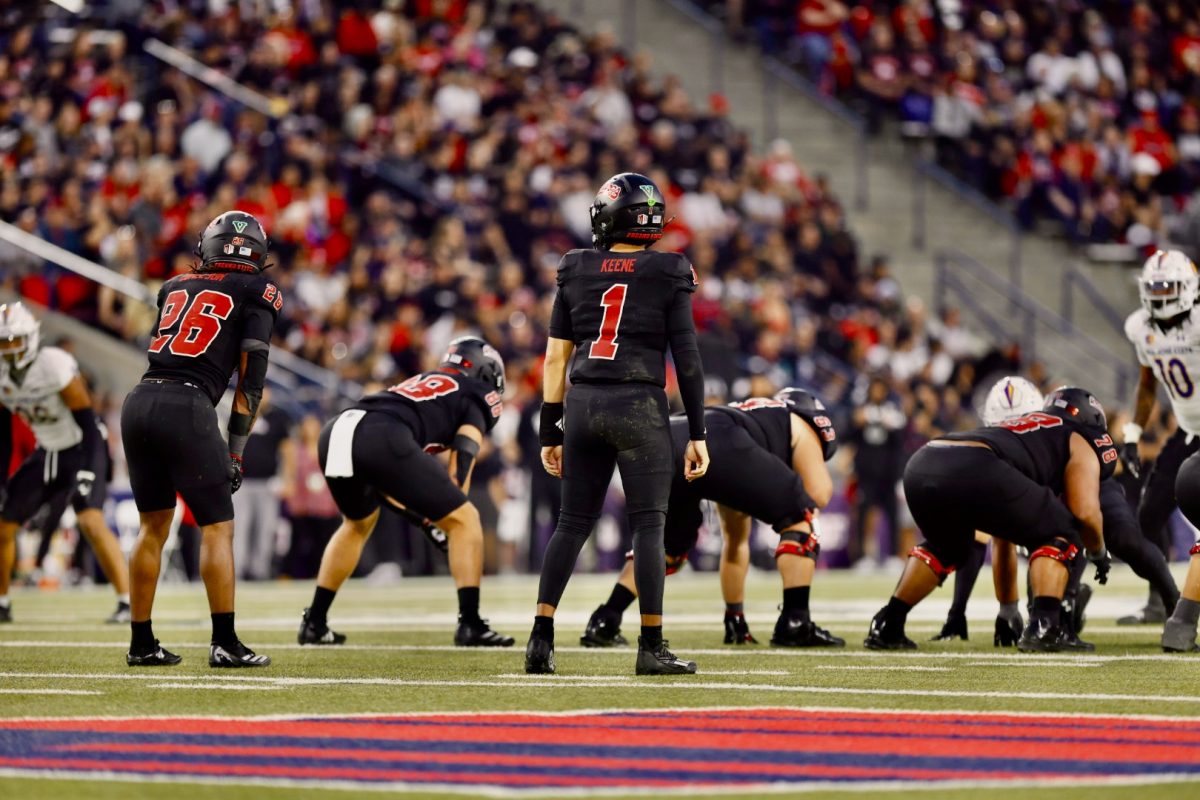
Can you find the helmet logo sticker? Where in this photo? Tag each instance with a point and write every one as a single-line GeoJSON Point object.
{"type": "Point", "coordinates": [643, 219]}
{"type": "Point", "coordinates": [613, 190]}
{"type": "Point", "coordinates": [244, 251]}
{"type": "Point", "coordinates": [649, 192]}
{"type": "Point", "coordinates": [228, 249]}
{"type": "Point", "coordinates": [239, 225]}
{"type": "Point", "coordinates": [238, 240]}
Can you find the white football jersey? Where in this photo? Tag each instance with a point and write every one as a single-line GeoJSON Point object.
{"type": "Point", "coordinates": [1174, 356]}
{"type": "Point", "coordinates": [37, 399]}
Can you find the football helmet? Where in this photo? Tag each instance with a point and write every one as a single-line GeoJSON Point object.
{"type": "Point", "coordinates": [233, 242]}
{"type": "Point", "coordinates": [1168, 284]}
{"type": "Point", "coordinates": [20, 334]}
{"type": "Point", "coordinates": [476, 359]}
{"type": "Point", "coordinates": [1076, 405]}
{"type": "Point", "coordinates": [628, 209]}
{"type": "Point", "coordinates": [1010, 397]}
{"type": "Point", "coordinates": [809, 408]}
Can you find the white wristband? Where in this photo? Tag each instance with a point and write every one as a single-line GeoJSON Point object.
{"type": "Point", "coordinates": [1132, 433]}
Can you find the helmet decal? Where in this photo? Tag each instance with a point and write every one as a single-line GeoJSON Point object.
{"type": "Point", "coordinates": [649, 192]}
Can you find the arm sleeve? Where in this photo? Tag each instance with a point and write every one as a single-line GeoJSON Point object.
{"type": "Point", "coordinates": [682, 331]}
{"type": "Point", "coordinates": [258, 324]}
{"type": "Point", "coordinates": [475, 418]}
{"type": "Point", "coordinates": [85, 418]}
{"type": "Point", "coordinates": [560, 319]}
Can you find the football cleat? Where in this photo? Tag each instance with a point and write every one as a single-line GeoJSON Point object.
{"type": "Point", "coordinates": [1153, 613]}
{"type": "Point", "coordinates": [737, 631]}
{"type": "Point", "coordinates": [1008, 633]}
{"type": "Point", "coordinates": [884, 636]}
{"type": "Point", "coordinates": [603, 629]}
{"type": "Point", "coordinates": [312, 632]}
{"type": "Point", "coordinates": [1075, 609]}
{"type": "Point", "coordinates": [1040, 636]}
{"type": "Point", "coordinates": [539, 657]}
{"type": "Point", "coordinates": [158, 657]}
{"type": "Point", "coordinates": [477, 633]}
{"type": "Point", "coordinates": [121, 616]}
{"type": "Point", "coordinates": [661, 661]}
{"type": "Point", "coordinates": [234, 656]}
{"type": "Point", "coordinates": [795, 630]}
{"type": "Point", "coordinates": [6, 613]}
{"type": "Point", "coordinates": [955, 628]}
{"type": "Point", "coordinates": [1179, 637]}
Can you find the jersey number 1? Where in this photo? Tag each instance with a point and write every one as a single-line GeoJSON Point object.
{"type": "Point", "coordinates": [613, 303]}
{"type": "Point", "coordinates": [200, 324]}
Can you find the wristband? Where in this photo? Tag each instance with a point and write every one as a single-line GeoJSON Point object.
{"type": "Point", "coordinates": [550, 428]}
{"type": "Point", "coordinates": [1132, 433]}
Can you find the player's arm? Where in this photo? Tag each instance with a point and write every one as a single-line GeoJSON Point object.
{"type": "Point", "coordinates": [554, 390]}
{"type": "Point", "coordinates": [681, 330]}
{"type": "Point", "coordinates": [252, 377]}
{"type": "Point", "coordinates": [463, 452]}
{"type": "Point", "coordinates": [1143, 407]}
{"type": "Point", "coordinates": [1081, 483]}
{"type": "Point", "coordinates": [79, 402]}
{"type": "Point", "coordinates": [808, 460]}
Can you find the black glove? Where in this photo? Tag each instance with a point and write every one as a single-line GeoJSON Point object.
{"type": "Point", "coordinates": [85, 479]}
{"type": "Point", "coordinates": [1102, 562]}
{"type": "Point", "coordinates": [235, 473]}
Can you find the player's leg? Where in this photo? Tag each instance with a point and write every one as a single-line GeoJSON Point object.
{"type": "Point", "coordinates": [965, 576]}
{"type": "Point", "coordinates": [1009, 624]}
{"type": "Point", "coordinates": [464, 535]}
{"type": "Point", "coordinates": [338, 561]}
{"type": "Point", "coordinates": [8, 560]}
{"type": "Point", "coordinates": [734, 567]}
{"type": "Point", "coordinates": [23, 496]}
{"type": "Point", "coordinates": [107, 548]}
{"type": "Point", "coordinates": [218, 572]}
{"type": "Point", "coordinates": [604, 626]}
{"type": "Point", "coordinates": [1124, 539]}
{"type": "Point", "coordinates": [145, 560]}
{"type": "Point", "coordinates": [1179, 632]}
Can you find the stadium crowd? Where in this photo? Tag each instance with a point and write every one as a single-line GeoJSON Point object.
{"type": "Point", "coordinates": [1085, 115]}
{"type": "Point", "coordinates": [429, 164]}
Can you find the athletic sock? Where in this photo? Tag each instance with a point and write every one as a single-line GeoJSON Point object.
{"type": "Point", "coordinates": [965, 576]}
{"type": "Point", "coordinates": [468, 603]}
{"type": "Point", "coordinates": [123, 599]}
{"type": "Point", "coordinates": [543, 628]}
{"type": "Point", "coordinates": [896, 611]}
{"type": "Point", "coordinates": [322, 600]}
{"type": "Point", "coordinates": [1010, 612]}
{"type": "Point", "coordinates": [143, 637]}
{"type": "Point", "coordinates": [5, 602]}
{"type": "Point", "coordinates": [222, 629]}
{"type": "Point", "coordinates": [796, 600]}
{"type": "Point", "coordinates": [620, 599]}
{"type": "Point", "coordinates": [735, 609]}
{"type": "Point", "coordinates": [1047, 608]}
{"type": "Point", "coordinates": [651, 636]}
{"type": "Point", "coordinates": [1187, 611]}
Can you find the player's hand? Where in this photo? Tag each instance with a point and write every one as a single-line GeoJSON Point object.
{"type": "Point", "coordinates": [552, 460]}
{"type": "Point", "coordinates": [235, 473]}
{"type": "Point", "coordinates": [695, 460]}
{"type": "Point", "coordinates": [85, 479]}
{"type": "Point", "coordinates": [1131, 459]}
{"type": "Point", "coordinates": [1102, 562]}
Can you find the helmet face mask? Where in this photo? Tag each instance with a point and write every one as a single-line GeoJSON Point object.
{"type": "Point", "coordinates": [628, 209]}
{"type": "Point", "coordinates": [20, 334]}
{"type": "Point", "coordinates": [1009, 398]}
{"type": "Point", "coordinates": [1168, 285]}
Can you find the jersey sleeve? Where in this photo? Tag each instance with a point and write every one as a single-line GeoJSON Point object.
{"type": "Point", "coordinates": [560, 318]}
{"type": "Point", "coordinates": [680, 273]}
{"type": "Point", "coordinates": [263, 305]}
{"type": "Point", "coordinates": [60, 366]}
{"type": "Point", "coordinates": [1106, 451]}
{"type": "Point", "coordinates": [1137, 328]}
{"type": "Point", "coordinates": [823, 426]}
{"type": "Point", "coordinates": [485, 407]}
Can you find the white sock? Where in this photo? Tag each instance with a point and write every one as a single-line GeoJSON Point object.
{"type": "Point", "coordinates": [4, 601]}
{"type": "Point", "coordinates": [123, 598]}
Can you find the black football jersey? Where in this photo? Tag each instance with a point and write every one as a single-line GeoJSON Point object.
{"type": "Point", "coordinates": [203, 318]}
{"type": "Point", "coordinates": [614, 307]}
{"type": "Point", "coordinates": [436, 404]}
{"type": "Point", "coordinates": [1039, 446]}
{"type": "Point", "coordinates": [769, 421]}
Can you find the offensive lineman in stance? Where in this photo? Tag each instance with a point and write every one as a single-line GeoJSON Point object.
{"type": "Point", "coordinates": [217, 319]}
{"type": "Point", "coordinates": [617, 308]}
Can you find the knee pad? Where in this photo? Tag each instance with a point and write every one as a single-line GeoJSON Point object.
{"type": "Point", "coordinates": [1059, 549]}
{"type": "Point", "coordinates": [798, 543]}
{"type": "Point", "coordinates": [931, 560]}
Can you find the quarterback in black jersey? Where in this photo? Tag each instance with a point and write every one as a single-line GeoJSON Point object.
{"type": "Point", "coordinates": [617, 309]}
{"type": "Point", "coordinates": [769, 457]}
{"type": "Point", "coordinates": [1007, 481]}
{"type": "Point", "coordinates": [211, 322]}
{"type": "Point", "coordinates": [381, 450]}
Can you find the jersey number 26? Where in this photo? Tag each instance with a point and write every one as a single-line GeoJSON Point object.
{"type": "Point", "coordinates": [199, 327]}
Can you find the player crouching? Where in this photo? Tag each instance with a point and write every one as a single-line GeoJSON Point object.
{"type": "Point", "coordinates": [1006, 481]}
{"type": "Point", "coordinates": [380, 450]}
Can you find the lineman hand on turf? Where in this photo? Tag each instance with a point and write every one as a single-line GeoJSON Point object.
{"type": "Point", "coordinates": [695, 460]}
{"type": "Point", "coordinates": [1102, 562]}
{"type": "Point", "coordinates": [552, 460]}
{"type": "Point", "coordinates": [235, 473]}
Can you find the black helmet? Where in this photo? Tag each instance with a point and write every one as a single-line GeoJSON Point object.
{"type": "Point", "coordinates": [476, 359]}
{"type": "Point", "coordinates": [629, 208]}
{"type": "Point", "coordinates": [233, 242]}
{"type": "Point", "coordinates": [1076, 405]}
{"type": "Point", "coordinates": [809, 408]}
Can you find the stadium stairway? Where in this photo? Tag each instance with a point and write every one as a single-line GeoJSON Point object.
{"type": "Point", "coordinates": [682, 44]}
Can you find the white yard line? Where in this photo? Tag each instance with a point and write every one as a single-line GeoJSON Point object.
{"type": "Point", "coordinates": [1049, 662]}
{"type": "Point", "coordinates": [885, 668]}
{"type": "Point", "coordinates": [227, 687]}
{"type": "Point", "coordinates": [48, 691]}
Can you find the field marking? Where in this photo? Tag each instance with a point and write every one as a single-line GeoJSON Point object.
{"type": "Point", "coordinates": [654, 683]}
{"type": "Point", "coordinates": [735, 672]}
{"type": "Point", "coordinates": [1049, 662]}
{"type": "Point", "coordinates": [887, 667]}
{"type": "Point", "coordinates": [49, 691]}
{"type": "Point", "coordinates": [227, 687]}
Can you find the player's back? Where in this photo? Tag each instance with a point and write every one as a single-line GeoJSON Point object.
{"type": "Point", "coordinates": [198, 336]}
{"type": "Point", "coordinates": [436, 404]}
{"type": "Point", "coordinates": [618, 304]}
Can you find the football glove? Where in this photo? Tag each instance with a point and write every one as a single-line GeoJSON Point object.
{"type": "Point", "coordinates": [1102, 562]}
{"type": "Point", "coordinates": [1129, 450]}
{"type": "Point", "coordinates": [235, 473]}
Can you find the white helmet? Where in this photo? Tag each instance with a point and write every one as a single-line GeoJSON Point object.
{"type": "Point", "coordinates": [1010, 397]}
{"type": "Point", "coordinates": [1168, 284]}
{"type": "Point", "coordinates": [19, 334]}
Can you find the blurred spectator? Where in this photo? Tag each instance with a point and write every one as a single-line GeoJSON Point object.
{"type": "Point", "coordinates": [268, 469]}
{"type": "Point", "coordinates": [877, 431]}
{"type": "Point", "coordinates": [309, 505]}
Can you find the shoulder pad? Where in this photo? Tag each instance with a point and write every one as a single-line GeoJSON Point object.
{"type": "Point", "coordinates": [1136, 325]}
{"type": "Point", "coordinates": [58, 366]}
{"type": "Point", "coordinates": [678, 269]}
{"type": "Point", "coordinates": [262, 291]}
{"type": "Point", "coordinates": [569, 260]}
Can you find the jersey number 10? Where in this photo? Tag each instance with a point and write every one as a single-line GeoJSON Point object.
{"type": "Point", "coordinates": [200, 326]}
{"type": "Point", "coordinates": [1175, 377]}
{"type": "Point", "coordinates": [613, 303]}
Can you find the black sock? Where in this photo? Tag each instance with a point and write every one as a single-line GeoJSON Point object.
{"type": "Point", "coordinates": [651, 636]}
{"type": "Point", "coordinates": [543, 628]}
{"type": "Point", "coordinates": [620, 599]}
{"type": "Point", "coordinates": [796, 599]}
{"type": "Point", "coordinates": [468, 603]}
{"type": "Point", "coordinates": [1047, 608]}
{"type": "Point", "coordinates": [322, 600]}
{"type": "Point", "coordinates": [143, 636]}
{"type": "Point", "coordinates": [222, 629]}
{"type": "Point", "coordinates": [734, 609]}
{"type": "Point", "coordinates": [965, 576]}
{"type": "Point", "coordinates": [896, 610]}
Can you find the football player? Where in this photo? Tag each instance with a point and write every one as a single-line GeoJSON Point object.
{"type": "Point", "coordinates": [1166, 338]}
{"type": "Point", "coordinates": [1006, 481]}
{"type": "Point", "coordinates": [1179, 632]}
{"type": "Point", "coordinates": [43, 387]}
{"type": "Point", "coordinates": [381, 451]}
{"type": "Point", "coordinates": [215, 320]}
{"type": "Point", "coordinates": [769, 459]}
{"type": "Point", "coordinates": [617, 309]}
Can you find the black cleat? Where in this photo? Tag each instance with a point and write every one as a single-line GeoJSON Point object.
{"type": "Point", "coordinates": [121, 616]}
{"type": "Point", "coordinates": [5, 613]}
{"type": "Point", "coordinates": [1008, 633]}
{"type": "Point", "coordinates": [157, 657]}
{"type": "Point", "coordinates": [1078, 615]}
{"type": "Point", "coordinates": [661, 661]}
{"type": "Point", "coordinates": [796, 630]}
{"type": "Point", "coordinates": [477, 633]}
{"type": "Point", "coordinates": [234, 656]}
{"type": "Point", "coordinates": [955, 628]}
{"type": "Point", "coordinates": [313, 632]}
{"type": "Point", "coordinates": [883, 636]}
{"type": "Point", "coordinates": [539, 657]}
{"type": "Point", "coordinates": [603, 629]}
{"type": "Point", "coordinates": [737, 631]}
{"type": "Point", "coordinates": [1042, 637]}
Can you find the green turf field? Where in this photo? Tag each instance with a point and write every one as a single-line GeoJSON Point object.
{"type": "Point", "coordinates": [57, 661]}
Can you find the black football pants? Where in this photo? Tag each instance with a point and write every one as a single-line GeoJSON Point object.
{"type": "Point", "coordinates": [1158, 495]}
